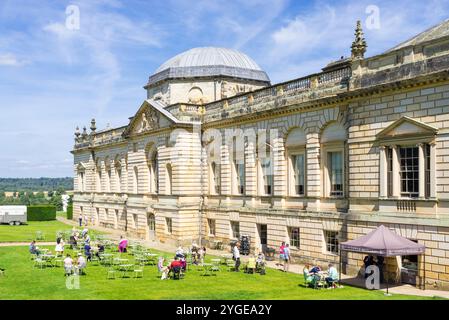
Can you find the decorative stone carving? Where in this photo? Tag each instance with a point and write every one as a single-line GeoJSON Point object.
{"type": "Point", "coordinates": [149, 120]}
{"type": "Point", "coordinates": [358, 47]}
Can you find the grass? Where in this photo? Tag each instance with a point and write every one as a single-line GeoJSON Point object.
{"type": "Point", "coordinates": [22, 281]}
{"type": "Point", "coordinates": [28, 232]}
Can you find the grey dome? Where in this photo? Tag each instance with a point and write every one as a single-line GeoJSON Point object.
{"type": "Point", "coordinates": [207, 62]}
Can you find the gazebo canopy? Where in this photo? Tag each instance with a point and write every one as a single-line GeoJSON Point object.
{"type": "Point", "coordinates": [383, 242]}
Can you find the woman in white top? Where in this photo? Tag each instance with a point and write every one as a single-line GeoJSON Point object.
{"type": "Point", "coordinates": [59, 249]}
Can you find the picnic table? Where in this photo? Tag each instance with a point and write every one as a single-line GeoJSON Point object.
{"type": "Point", "coordinates": [151, 257]}
{"type": "Point", "coordinates": [207, 268]}
{"type": "Point", "coordinates": [225, 258]}
{"type": "Point", "coordinates": [124, 268]}
{"type": "Point", "coordinates": [48, 259]}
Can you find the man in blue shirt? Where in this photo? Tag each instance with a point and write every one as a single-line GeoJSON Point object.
{"type": "Point", "coordinates": [33, 248]}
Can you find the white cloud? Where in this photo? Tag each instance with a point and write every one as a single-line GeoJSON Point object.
{"type": "Point", "coordinates": [9, 59]}
{"type": "Point", "coordinates": [325, 32]}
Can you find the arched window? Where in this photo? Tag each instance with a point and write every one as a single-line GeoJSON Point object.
{"type": "Point", "coordinates": [238, 167]}
{"type": "Point", "coordinates": [155, 173]}
{"type": "Point", "coordinates": [118, 174]}
{"type": "Point", "coordinates": [295, 145]}
{"type": "Point", "coordinates": [265, 164]}
{"type": "Point", "coordinates": [215, 178]}
{"type": "Point", "coordinates": [168, 180]}
{"type": "Point", "coordinates": [151, 158]}
{"type": "Point", "coordinates": [332, 140]}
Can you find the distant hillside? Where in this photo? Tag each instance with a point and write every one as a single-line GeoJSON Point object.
{"type": "Point", "coordinates": [35, 184]}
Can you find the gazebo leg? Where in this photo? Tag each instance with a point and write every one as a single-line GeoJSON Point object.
{"type": "Point", "coordinates": [341, 264]}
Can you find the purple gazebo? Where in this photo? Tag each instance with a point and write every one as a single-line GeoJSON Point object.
{"type": "Point", "coordinates": [384, 242]}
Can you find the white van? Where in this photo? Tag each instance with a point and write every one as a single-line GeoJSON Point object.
{"type": "Point", "coordinates": [13, 215]}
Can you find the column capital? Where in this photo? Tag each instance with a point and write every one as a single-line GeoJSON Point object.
{"type": "Point", "coordinates": [382, 147]}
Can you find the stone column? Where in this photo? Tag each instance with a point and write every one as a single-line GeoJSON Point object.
{"type": "Point", "coordinates": [395, 173]}
{"type": "Point", "coordinates": [433, 169]}
{"type": "Point", "coordinates": [422, 171]}
{"type": "Point", "coordinates": [382, 172]}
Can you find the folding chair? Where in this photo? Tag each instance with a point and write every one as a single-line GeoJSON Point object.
{"type": "Point", "coordinates": [111, 274]}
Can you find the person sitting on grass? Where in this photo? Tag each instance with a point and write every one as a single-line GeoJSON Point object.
{"type": "Point", "coordinates": [72, 241]}
{"type": "Point", "coordinates": [260, 261]}
{"type": "Point", "coordinates": [122, 245]}
{"type": "Point", "coordinates": [308, 277]}
{"type": "Point", "coordinates": [81, 264]}
{"type": "Point", "coordinates": [179, 252]}
{"type": "Point", "coordinates": [162, 269]}
{"type": "Point", "coordinates": [175, 267]}
{"type": "Point", "coordinates": [332, 278]}
{"type": "Point", "coordinates": [100, 250]}
{"type": "Point", "coordinates": [315, 270]}
{"type": "Point", "coordinates": [34, 249]}
{"type": "Point", "coordinates": [68, 265]}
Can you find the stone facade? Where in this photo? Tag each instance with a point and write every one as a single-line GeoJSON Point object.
{"type": "Point", "coordinates": [371, 136]}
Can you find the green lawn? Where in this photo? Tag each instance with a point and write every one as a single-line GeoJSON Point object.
{"type": "Point", "coordinates": [28, 232]}
{"type": "Point", "coordinates": [22, 281]}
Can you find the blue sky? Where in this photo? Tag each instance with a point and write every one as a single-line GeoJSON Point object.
{"type": "Point", "coordinates": [53, 78]}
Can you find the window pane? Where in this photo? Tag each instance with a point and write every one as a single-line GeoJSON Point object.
{"type": "Point", "coordinates": [409, 171]}
{"type": "Point", "coordinates": [267, 172]}
{"type": "Point", "coordinates": [298, 173]}
{"type": "Point", "coordinates": [331, 238]}
{"type": "Point", "coordinates": [240, 170]}
{"type": "Point", "coordinates": [336, 173]}
{"type": "Point", "coordinates": [294, 237]}
{"type": "Point", "coordinates": [235, 227]}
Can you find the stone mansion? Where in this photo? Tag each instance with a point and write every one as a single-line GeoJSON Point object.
{"type": "Point", "coordinates": [216, 151]}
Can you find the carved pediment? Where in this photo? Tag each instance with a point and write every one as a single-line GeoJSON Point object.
{"type": "Point", "coordinates": [146, 119]}
{"type": "Point", "coordinates": [407, 127]}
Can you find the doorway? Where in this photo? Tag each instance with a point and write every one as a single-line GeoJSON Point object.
{"type": "Point", "coordinates": [151, 227]}
{"type": "Point", "coordinates": [262, 234]}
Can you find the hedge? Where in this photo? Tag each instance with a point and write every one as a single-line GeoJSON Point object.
{"type": "Point", "coordinates": [41, 213]}
{"type": "Point", "coordinates": [70, 212]}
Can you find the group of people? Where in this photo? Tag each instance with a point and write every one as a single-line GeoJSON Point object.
{"type": "Point", "coordinates": [198, 254]}
{"type": "Point", "coordinates": [377, 261]}
{"type": "Point", "coordinates": [76, 266]}
{"type": "Point", "coordinates": [76, 237]}
{"type": "Point", "coordinates": [313, 274]}
{"type": "Point", "coordinates": [175, 267]}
